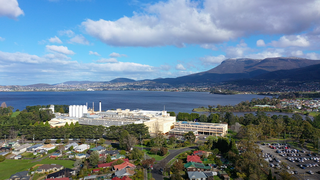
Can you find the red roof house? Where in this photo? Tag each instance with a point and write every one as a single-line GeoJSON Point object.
{"type": "Point", "coordinates": [95, 170]}
{"type": "Point", "coordinates": [123, 178]}
{"type": "Point", "coordinates": [110, 163]}
{"type": "Point", "coordinates": [123, 165]}
{"type": "Point", "coordinates": [194, 158]}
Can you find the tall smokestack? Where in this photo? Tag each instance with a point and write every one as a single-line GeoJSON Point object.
{"type": "Point", "coordinates": [99, 106]}
{"type": "Point", "coordinates": [93, 106]}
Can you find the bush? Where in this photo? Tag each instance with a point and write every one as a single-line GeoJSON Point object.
{"type": "Point", "coordinates": [2, 158]}
{"type": "Point", "coordinates": [154, 150]}
{"type": "Point", "coordinates": [163, 151]}
{"type": "Point", "coordinates": [58, 141]}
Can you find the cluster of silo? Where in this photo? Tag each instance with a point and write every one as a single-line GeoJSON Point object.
{"type": "Point", "coordinates": [77, 110]}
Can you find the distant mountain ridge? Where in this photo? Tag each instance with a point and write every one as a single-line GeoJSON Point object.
{"type": "Point", "coordinates": [244, 68]}
{"type": "Point", "coordinates": [121, 80]}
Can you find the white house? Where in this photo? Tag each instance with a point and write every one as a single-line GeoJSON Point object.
{"type": "Point", "coordinates": [21, 149]}
{"type": "Point", "coordinates": [71, 144]}
{"type": "Point", "coordinates": [82, 148]}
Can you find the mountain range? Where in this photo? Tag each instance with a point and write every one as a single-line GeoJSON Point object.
{"type": "Point", "coordinates": [243, 69]}
{"type": "Point", "coordinates": [236, 69]}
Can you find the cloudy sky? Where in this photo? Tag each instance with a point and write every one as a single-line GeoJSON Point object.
{"type": "Point", "coordinates": [52, 41]}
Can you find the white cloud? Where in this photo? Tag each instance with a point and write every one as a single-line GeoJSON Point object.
{"type": "Point", "coordinates": [110, 60]}
{"type": "Point", "coordinates": [266, 54]}
{"type": "Point", "coordinates": [117, 55]}
{"type": "Point", "coordinates": [2, 39]}
{"type": "Point", "coordinates": [23, 68]}
{"type": "Point", "coordinates": [165, 67]}
{"type": "Point", "coordinates": [313, 56]}
{"type": "Point", "coordinates": [68, 33]}
{"type": "Point", "coordinates": [210, 60]}
{"type": "Point", "coordinates": [60, 49]}
{"type": "Point", "coordinates": [238, 51]}
{"type": "Point", "coordinates": [297, 53]}
{"type": "Point", "coordinates": [179, 22]}
{"type": "Point", "coordinates": [180, 67]}
{"type": "Point", "coordinates": [209, 46]}
{"type": "Point", "coordinates": [19, 57]}
{"type": "Point", "coordinates": [260, 43]}
{"type": "Point", "coordinates": [80, 39]}
{"type": "Point", "coordinates": [94, 53]}
{"type": "Point", "coordinates": [10, 8]}
{"type": "Point", "coordinates": [292, 40]}
{"type": "Point", "coordinates": [55, 40]}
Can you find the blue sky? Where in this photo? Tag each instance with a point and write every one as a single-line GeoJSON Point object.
{"type": "Point", "coordinates": [53, 41]}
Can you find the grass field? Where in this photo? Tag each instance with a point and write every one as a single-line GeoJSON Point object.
{"type": "Point", "coordinates": [10, 166]}
{"type": "Point", "coordinates": [156, 157]}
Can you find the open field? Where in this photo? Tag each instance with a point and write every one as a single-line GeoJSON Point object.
{"type": "Point", "coordinates": [10, 166]}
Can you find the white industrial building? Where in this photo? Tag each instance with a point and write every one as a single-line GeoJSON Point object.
{"type": "Point", "coordinates": [77, 110]}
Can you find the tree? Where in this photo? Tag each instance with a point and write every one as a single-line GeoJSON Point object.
{"type": "Point", "coordinates": [61, 110]}
{"type": "Point", "coordinates": [108, 158]}
{"type": "Point", "coordinates": [47, 141]}
{"type": "Point", "coordinates": [101, 141]}
{"type": "Point", "coordinates": [190, 137]}
{"type": "Point", "coordinates": [71, 148]}
{"type": "Point", "coordinates": [127, 141]}
{"type": "Point", "coordinates": [177, 166]}
{"type": "Point", "coordinates": [77, 162]}
{"type": "Point", "coordinates": [172, 139]}
{"type": "Point", "coordinates": [172, 113]}
{"type": "Point", "coordinates": [82, 140]}
{"type": "Point", "coordinates": [163, 151]}
{"type": "Point", "coordinates": [136, 154]}
{"type": "Point", "coordinates": [65, 141]}
{"type": "Point", "coordinates": [94, 158]}
{"type": "Point", "coordinates": [58, 141]}
{"type": "Point", "coordinates": [148, 162]}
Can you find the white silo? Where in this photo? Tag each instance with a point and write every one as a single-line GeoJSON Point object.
{"type": "Point", "coordinates": [70, 111]}
{"type": "Point", "coordinates": [77, 111]}
{"type": "Point", "coordinates": [85, 109]}
{"type": "Point", "coordinates": [80, 111]}
{"type": "Point", "coordinates": [73, 110]}
{"type": "Point", "coordinates": [99, 106]}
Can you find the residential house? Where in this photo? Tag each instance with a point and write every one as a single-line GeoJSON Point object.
{"type": "Point", "coordinates": [112, 152]}
{"type": "Point", "coordinates": [118, 156]}
{"type": "Point", "coordinates": [65, 178]}
{"type": "Point", "coordinates": [223, 175]}
{"type": "Point", "coordinates": [201, 153]}
{"type": "Point", "coordinates": [74, 145]}
{"type": "Point", "coordinates": [194, 158]}
{"type": "Point", "coordinates": [123, 165]}
{"type": "Point", "coordinates": [49, 168]}
{"type": "Point", "coordinates": [64, 173]}
{"type": "Point", "coordinates": [17, 157]}
{"type": "Point", "coordinates": [123, 178]}
{"type": "Point", "coordinates": [34, 147]}
{"type": "Point", "coordinates": [99, 149]}
{"type": "Point", "coordinates": [80, 156]}
{"type": "Point", "coordinates": [124, 172]}
{"type": "Point", "coordinates": [210, 174]}
{"type": "Point", "coordinates": [81, 148]}
{"type": "Point", "coordinates": [55, 155]}
{"type": "Point", "coordinates": [5, 149]}
{"type": "Point", "coordinates": [106, 165]}
{"type": "Point", "coordinates": [4, 153]}
{"type": "Point", "coordinates": [196, 175]}
{"type": "Point", "coordinates": [21, 149]}
{"type": "Point", "coordinates": [23, 175]}
{"type": "Point", "coordinates": [192, 166]}
{"type": "Point", "coordinates": [48, 147]}
{"type": "Point", "coordinates": [92, 177]}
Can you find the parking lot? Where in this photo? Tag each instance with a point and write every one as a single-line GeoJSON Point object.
{"type": "Point", "coordinates": [300, 164]}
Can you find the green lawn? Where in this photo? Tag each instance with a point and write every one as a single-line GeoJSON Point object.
{"type": "Point", "coordinates": [15, 114]}
{"type": "Point", "coordinates": [156, 157]}
{"type": "Point", "coordinates": [10, 166]}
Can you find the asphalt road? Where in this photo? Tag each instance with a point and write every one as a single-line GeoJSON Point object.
{"type": "Point", "coordinates": [302, 173]}
{"type": "Point", "coordinates": [156, 174]}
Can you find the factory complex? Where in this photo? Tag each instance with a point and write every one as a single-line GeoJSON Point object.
{"type": "Point", "coordinates": [156, 121]}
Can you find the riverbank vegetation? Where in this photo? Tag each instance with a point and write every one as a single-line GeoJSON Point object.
{"type": "Point", "coordinates": [266, 104]}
